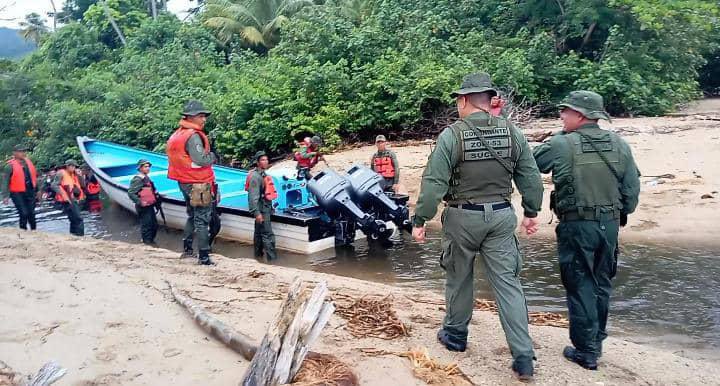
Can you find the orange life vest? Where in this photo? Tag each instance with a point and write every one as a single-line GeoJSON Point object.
{"type": "Point", "coordinates": [307, 162]}
{"type": "Point", "coordinates": [180, 167]}
{"type": "Point", "coordinates": [147, 193]}
{"type": "Point", "coordinates": [93, 187]}
{"type": "Point", "coordinates": [17, 180]}
{"type": "Point", "coordinates": [69, 184]}
{"type": "Point", "coordinates": [268, 185]}
{"type": "Point", "coordinates": [384, 166]}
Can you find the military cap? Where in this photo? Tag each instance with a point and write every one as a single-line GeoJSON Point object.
{"type": "Point", "coordinates": [258, 155]}
{"type": "Point", "coordinates": [142, 162]}
{"type": "Point", "coordinates": [587, 103]}
{"type": "Point", "coordinates": [474, 84]}
{"type": "Point", "coordinates": [316, 140]}
{"type": "Point", "coordinates": [380, 138]}
{"type": "Point", "coordinates": [71, 162]}
{"type": "Point", "coordinates": [20, 148]}
{"type": "Point", "coordinates": [194, 107]}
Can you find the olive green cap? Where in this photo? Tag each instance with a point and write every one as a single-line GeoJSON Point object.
{"type": "Point", "coordinates": [143, 162]}
{"type": "Point", "coordinates": [587, 103]}
{"type": "Point", "coordinates": [316, 140]}
{"type": "Point", "coordinates": [194, 107]}
{"type": "Point", "coordinates": [475, 84]}
{"type": "Point", "coordinates": [259, 154]}
{"type": "Point", "coordinates": [380, 138]}
{"type": "Point", "coordinates": [71, 162]}
{"type": "Point", "coordinates": [20, 148]}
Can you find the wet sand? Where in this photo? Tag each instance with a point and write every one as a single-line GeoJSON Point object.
{"type": "Point", "coordinates": [102, 309]}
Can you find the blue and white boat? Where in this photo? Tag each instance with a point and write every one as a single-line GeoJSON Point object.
{"type": "Point", "coordinates": [297, 222]}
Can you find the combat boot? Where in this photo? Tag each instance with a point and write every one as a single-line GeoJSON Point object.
{"type": "Point", "coordinates": [523, 368]}
{"type": "Point", "coordinates": [204, 258]}
{"type": "Point", "coordinates": [187, 249]}
{"type": "Point", "coordinates": [450, 342]}
{"type": "Point", "coordinates": [586, 361]}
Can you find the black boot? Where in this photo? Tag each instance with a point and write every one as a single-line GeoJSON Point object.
{"type": "Point", "coordinates": [204, 258]}
{"type": "Point", "coordinates": [187, 249]}
{"type": "Point", "coordinates": [523, 367]}
{"type": "Point", "coordinates": [586, 361]}
{"type": "Point", "coordinates": [450, 342]}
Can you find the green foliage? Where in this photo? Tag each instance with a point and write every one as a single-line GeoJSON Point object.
{"type": "Point", "coordinates": [343, 69]}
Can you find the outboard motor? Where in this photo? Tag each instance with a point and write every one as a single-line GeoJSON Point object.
{"type": "Point", "coordinates": [368, 192]}
{"type": "Point", "coordinates": [332, 192]}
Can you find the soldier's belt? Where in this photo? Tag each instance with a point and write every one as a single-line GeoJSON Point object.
{"type": "Point", "coordinates": [480, 207]}
{"type": "Point", "coordinates": [590, 214]}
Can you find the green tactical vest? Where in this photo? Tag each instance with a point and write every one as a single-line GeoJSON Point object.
{"type": "Point", "coordinates": [592, 188]}
{"type": "Point", "coordinates": [479, 177]}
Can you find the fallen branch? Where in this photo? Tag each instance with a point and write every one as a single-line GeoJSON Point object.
{"type": "Point", "coordinates": [238, 342]}
{"type": "Point", "coordinates": [372, 318]}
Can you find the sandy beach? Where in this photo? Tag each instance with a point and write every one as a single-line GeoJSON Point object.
{"type": "Point", "coordinates": [102, 310]}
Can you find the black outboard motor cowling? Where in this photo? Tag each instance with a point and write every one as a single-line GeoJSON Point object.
{"type": "Point", "coordinates": [368, 192]}
{"type": "Point", "coordinates": [332, 192]}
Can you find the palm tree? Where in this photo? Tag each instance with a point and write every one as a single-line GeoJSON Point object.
{"type": "Point", "coordinates": [33, 28]}
{"type": "Point", "coordinates": [255, 22]}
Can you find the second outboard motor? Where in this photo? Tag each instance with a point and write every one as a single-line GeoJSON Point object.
{"type": "Point", "coordinates": [367, 191]}
{"type": "Point", "coordinates": [332, 192]}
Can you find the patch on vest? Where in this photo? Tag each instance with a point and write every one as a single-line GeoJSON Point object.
{"type": "Point", "coordinates": [484, 155]}
{"type": "Point", "coordinates": [602, 146]}
{"type": "Point", "coordinates": [497, 137]}
{"type": "Point", "coordinates": [486, 132]}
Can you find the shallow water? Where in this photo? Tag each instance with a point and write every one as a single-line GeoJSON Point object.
{"type": "Point", "coordinates": [664, 295]}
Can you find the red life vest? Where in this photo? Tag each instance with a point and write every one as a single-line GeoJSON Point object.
{"type": "Point", "coordinates": [180, 166]}
{"type": "Point", "coordinates": [384, 166]}
{"type": "Point", "coordinates": [306, 162]}
{"type": "Point", "coordinates": [268, 185]}
{"type": "Point", "coordinates": [93, 188]}
{"type": "Point", "coordinates": [147, 193]}
{"type": "Point", "coordinates": [69, 185]}
{"type": "Point", "coordinates": [17, 180]}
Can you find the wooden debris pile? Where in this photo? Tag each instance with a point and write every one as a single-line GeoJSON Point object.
{"type": "Point", "coordinates": [324, 370]}
{"type": "Point", "coordinates": [371, 317]}
{"type": "Point", "coordinates": [427, 368]}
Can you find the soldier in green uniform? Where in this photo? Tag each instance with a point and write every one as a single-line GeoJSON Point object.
{"type": "Point", "coordinates": [143, 194]}
{"type": "Point", "coordinates": [472, 169]}
{"type": "Point", "coordinates": [596, 186]}
{"type": "Point", "coordinates": [261, 192]}
{"type": "Point", "coordinates": [385, 163]}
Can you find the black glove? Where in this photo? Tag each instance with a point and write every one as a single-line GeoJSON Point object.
{"type": "Point", "coordinates": [623, 219]}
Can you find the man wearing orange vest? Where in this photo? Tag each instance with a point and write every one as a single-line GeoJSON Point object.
{"type": "Point", "coordinates": [20, 186]}
{"type": "Point", "coordinates": [384, 162]}
{"type": "Point", "coordinates": [190, 164]}
{"type": "Point", "coordinates": [69, 193]}
{"type": "Point", "coordinates": [261, 193]}
{"type": "Point", "coordinates": [308, 156]}
{"type": "Point", "coordinates": [143, 194]}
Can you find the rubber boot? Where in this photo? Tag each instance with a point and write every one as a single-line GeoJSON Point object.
{"type": "Point", "coordinates": [204, 258]}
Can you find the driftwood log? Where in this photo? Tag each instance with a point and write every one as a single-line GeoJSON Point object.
{"type": "Point", "coordinates": [237, 341]}
{"type": "Point", "coordinates": [297, 325]}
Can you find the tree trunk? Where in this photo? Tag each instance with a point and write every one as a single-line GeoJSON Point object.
{"type": "Point", "coordinates": [289, 336]}
{"type": "Point", "coordinates": [52, 3]}
{"type": "Point", "coordinates": [114, 25]}
{"type": "Point", "coordinates": [153, 9]}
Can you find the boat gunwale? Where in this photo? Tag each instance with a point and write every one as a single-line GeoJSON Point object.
{"type": "Point", "coordinates": [280, 218]}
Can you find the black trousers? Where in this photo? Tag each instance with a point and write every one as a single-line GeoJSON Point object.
{"type": "Point", "coordinates": [148, 224]}
{"type": "Point", "coordinates": [72, 211]}
{"type": "Point", "coordinates": [25, 205]}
